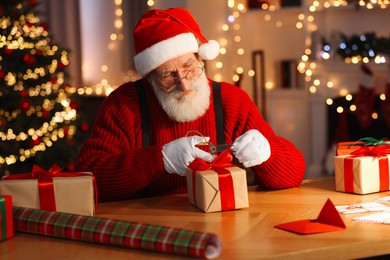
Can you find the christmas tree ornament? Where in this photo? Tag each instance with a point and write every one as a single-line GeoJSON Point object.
{"type": "Point", "coordinates": [24, 93]}
{"type": "Point", "coordinates": [24, 105]}
{"type": "Point", "coordinates": [61, 65]}
{"type": "Point", "coordinates": [45, 113]}
{"type": "Point", "coordinates": [35, 142]}
{"type": "Point", "coordinates": [74, 105]}
{"type": "Point", "coordinates": [8, 51]}
{"type": "Point", "coordinates": [84, 127]}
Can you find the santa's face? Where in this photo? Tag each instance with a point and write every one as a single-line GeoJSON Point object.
{"type": "Point", "coordinates": [182, 88]}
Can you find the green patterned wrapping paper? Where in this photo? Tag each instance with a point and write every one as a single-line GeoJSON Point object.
{"type": "Point", "coordinates": [117, 233]}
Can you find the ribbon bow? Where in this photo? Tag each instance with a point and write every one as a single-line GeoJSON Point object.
{"type": "Point", "coordinates": [370, 141]}
{"type": "Point", "coordinates": [377, 151]}
{"type": "Point", "coordinates": [223, 160]}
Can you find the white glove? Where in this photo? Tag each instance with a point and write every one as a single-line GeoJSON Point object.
{"type": "Point", "coordinates": [251, 148]}
{"type": "Point", "coordinates": [178, 154]}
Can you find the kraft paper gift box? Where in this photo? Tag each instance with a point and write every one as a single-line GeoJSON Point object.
{"type": "Point", "coordinates": [6, 220]}
{"type": "Point", "coordinates": [217, 186]}
{"type": "Point", "coordinates": [362, 174]}
{"type": "Point", "coordinates": [70, 192]}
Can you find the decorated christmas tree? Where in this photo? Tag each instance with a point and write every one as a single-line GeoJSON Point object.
{"type": "Point", "coordinates": [39, 121]}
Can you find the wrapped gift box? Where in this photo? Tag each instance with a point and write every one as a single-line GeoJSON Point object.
{"type": "Point", "coordinates": [6, 221]}
{"type": "Point", "coordinates": [218, 188]}
{"type": "Point", "coordinates": [362, 174]}
{"type": "Point", "coordinates": [73, 192]}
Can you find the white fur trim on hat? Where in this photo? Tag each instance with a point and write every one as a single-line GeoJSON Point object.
{"type": "Point", "coordinates": [163, 51]}
{"type": "Point", "coordinates": [209, 50]}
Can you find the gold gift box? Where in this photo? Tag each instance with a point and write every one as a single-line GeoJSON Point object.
{"type": "Point", "coordinates": [207, 191]}
{"type": "Point", "coordinates": [72, 194]}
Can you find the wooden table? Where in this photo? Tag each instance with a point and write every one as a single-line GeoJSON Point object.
{"type": "Point", "coordinates": [245, 234]}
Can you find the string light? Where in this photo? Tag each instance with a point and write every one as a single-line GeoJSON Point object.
{"type": "Point", "coordinates": [232, 28]}
{"type": "Point", "coordinates": [309, 58]}
{"type": "Point", "coordinates": [104, 87]}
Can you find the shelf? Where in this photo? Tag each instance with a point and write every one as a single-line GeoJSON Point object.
{"type": "Point", "coordinates": [342, 67]}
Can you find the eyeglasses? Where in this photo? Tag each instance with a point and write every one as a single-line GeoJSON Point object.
{"type": "Point", "coordinates": [169, 81]}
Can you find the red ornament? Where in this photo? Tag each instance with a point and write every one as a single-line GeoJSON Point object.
{"type": "Point", "coordinates": [53, 80]}
{"type": "Point", "coordinates": [8, 51]}
{"type": "Point", "coordinates": [23, 93]}
{"type": "Point", "coordinates": [2, 121]}
{"type": "Point", "coordinates": [66, 131]}
{"type": "Point", "coordinates": [45, 113]}
{"type": "Point", "coordinates": [45, 26]}
{"type": "Point", "coordinates": [84, 127]}
{"type": "Point", "coordinates": [35, 142]}
{"type": "Point", "coordinates": [74, 105]}
{"type": "Point", "coordinates": [24, 105]}
{"type": "Point", "coordinates": [32, 2]}
{"type": "Point", "coordinates": [61, 65]}
{"type": "Point", "coordinates": [29, 59]}
{"type": "Point", "coordinates": [2, 74]}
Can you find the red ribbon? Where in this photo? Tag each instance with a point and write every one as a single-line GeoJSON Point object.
{"type": "Point", "coordinates": [46, 185]}
{"type": "Point", "coordinates": [375, 151]}
{"type": "Point", "coordinates": [225, 180]}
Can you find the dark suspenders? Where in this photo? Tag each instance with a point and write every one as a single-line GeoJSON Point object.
{"type": "Point", "coordinates": [218, 111]}
{"type": "Point", "coordinates": [143, 106]}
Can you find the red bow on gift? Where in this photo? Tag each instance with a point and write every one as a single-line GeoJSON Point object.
{"type": "Point", "coordinates": [378, 151]}
{"type": "Point", "coordinates": [219, 165]}
{"type": "Point", "coordinates": [45, 183]}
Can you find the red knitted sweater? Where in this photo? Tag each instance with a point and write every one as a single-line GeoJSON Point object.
{"type": "Point", "coordinates": [125, 170]}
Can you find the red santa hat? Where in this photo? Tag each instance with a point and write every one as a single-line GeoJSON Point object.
{"type": "Point", "coordinates": [162, 35]}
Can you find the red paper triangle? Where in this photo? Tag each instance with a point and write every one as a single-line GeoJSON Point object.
{"type": "Point", "coordinates": [328, 220]}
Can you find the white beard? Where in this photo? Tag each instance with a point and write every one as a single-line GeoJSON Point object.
{"type": "Point", "coordinates": [185, 108]}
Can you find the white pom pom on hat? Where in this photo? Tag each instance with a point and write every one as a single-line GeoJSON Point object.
{"type": "Point", "coordinates": [209, 50]}
{"type": "Point", "coordinates": [161, 35]}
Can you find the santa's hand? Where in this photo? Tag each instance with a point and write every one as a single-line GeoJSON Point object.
{"type": "Point", "coordinates": [251, 148]}
{"type": "Point", "coordinates": [178, 154]}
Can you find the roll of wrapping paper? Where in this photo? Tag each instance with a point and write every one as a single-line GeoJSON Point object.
{"type": "Point", "coordinates": [116, 232]}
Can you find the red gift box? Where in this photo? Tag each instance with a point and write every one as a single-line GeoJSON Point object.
{"type": "Point", "coordinates": [6, 222]}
